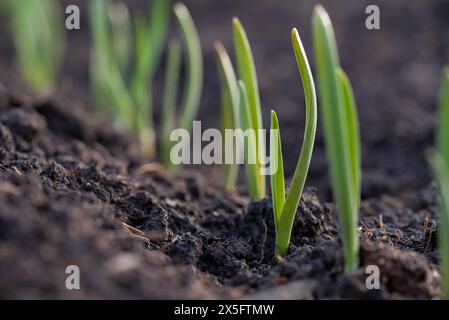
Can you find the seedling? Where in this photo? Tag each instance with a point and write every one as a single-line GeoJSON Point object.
{"type": "Point", "coordinates": [194, 61]}
{"type": "Point", "coordinates": [38, 34]}
{"type": "Point", "coordinates": [170, 94]}
{"type": "Point", "coordinates": [250, 150]}
{"type": "Point", "coordinates": [250, 106]}
{"type": "Point", "coordinates": [439, 160]}
{"type": "Point", "coordinates": [341, 133]}
{"type": "Point", "coordinates": [285, 209]}
{"type": "Point", "coordinates": [150, 35]}
{"type": "Point", "coordinates": [193, 85]}
{"type": "Point", "coordinates": [229, 111]}
{"type": "Point", "coordinates": [111, 30]}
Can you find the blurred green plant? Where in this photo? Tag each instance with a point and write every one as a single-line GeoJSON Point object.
{"type": "Point", "coordinates": [193, 83]}
{"type": "Point", "coordinates": [285, 208]}
{"type": "Point", "coordinates": [170, 94]}
{"type": "Point", "coordinates": [38, 34]}
{"type": "Point", "coordinates": [133, 105]}
{"type": "Point", "coordinates": [194, 66]}
{"type": "Point", "coordinates": [229, 112]}
{"type": "Point", "coordinates": [250, 109]}
{"type": "Point", "coordinates": [439, 160]}
{"type": "Point", "coordinates": [113, 38]}
{"type": "Point", "coordinates": [341, 133]}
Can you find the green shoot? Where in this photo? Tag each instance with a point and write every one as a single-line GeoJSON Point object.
{"type": "Point", "coordinates": [440, 164]}
{"type": "Point", "coordinates": [229, 110]}
{"type": "Point", "coordinates": [194, 84]}
{"type": "Point", "coordinates": [150, 37]}
{"type": "Point", "coordinates": [39, 42]}
{"type": "Point", "coordinates": [277, 179]}
{"type": "Point", "coordinates": [112, 34]}
{"type": "Point", "coordinates": [340, 132]}
{"type": "Point", "coordinates": [108, 84]}
{"type": "Point", "coordinates": [250, 151]}
{"type": "Point", "coordinates": [443, 118]}
{"type": "Point", "coordinates": [121, 34]}
{"type": "Point", "coordinates": [247, 72]}
{"type": "Point", "coordinates": [169, 109]}
{"type": "Point", "coordinates": [285, 209]}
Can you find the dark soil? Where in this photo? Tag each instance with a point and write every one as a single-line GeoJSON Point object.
{"type": "Point", "coordinates": [72, 194]}
{"type": "Point", "coordinates": [73, 190]}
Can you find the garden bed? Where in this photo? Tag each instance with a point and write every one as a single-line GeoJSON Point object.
{"type": "Point", "coordinates": [73, 190]}
{"type": "Point", "coordinates": [75, 194]}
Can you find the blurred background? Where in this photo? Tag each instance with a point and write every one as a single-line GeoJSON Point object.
{"type": "Point", "coordinates": [395, 72]}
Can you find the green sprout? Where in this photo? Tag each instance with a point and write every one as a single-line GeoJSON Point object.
{"type": "Point", "coordinates": [193, 86]}
{"type": "Point", "coordinates": [194, 57]}
{"type": "Point", "coordinates": [341, 133]}
{"type": "Point", "coordinates": [229, 111]}
{"type": "Point", "coordinates": [172, 72]}
{"type": "Point", "coordinates": [249, 87]}
{"type": "Point", "coordinates": [285, 209]}
{"type": "Point", "coordinates": [112, 31]}
{"type": "Point", "coordinates": [39, 41]}
{"type": "Point", "coordinates": [439, 160]}
{"type": "Point", "coordinates": [250, 151]}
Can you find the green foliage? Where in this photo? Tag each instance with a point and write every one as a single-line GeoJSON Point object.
{"type": "Point", "coordinates": [194, 61]}
{"type": "Point", "coordinates": [229, 111]}
{"type": "Point", "coordinates": [439, 160]}
{"type": "Point", "coordinates": [247, 73]}
{"type": "Point", "coordinates": [340, 132]}
{"type": "Point", "coordinates": [169, 109]}
{"type": "Point", "coordinates": [285, 209]}
{"type": "Point", "coordinates": [250, 151]}
{"type": "Point", "coordinates": [107, 83]}
{"type": "Point", "coordinates": [38, 32]}
{"type": "Point", "coordinates": [112, 35]}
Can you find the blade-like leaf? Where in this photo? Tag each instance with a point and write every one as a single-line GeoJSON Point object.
{"type": "Point", "coordinates": [441, 172]}
{"type": "Point", "coordinates": [250, 151]}
{"type": "Point", "coordinates": [120, 20]}
{"type": "Point", "coordinates": [247, 72]}
{"type": "Point", "coordinates": [442, 134]}
{"type": "Point", "coordinates": [158, 28]}
{"type": "Point", "coordinates": [170, 94]}
{"type": "Point", "coordinates": [108, 72]}
{"type": "Point", "coordinates": [194, 84]}
{"type": "Point", "coordinates": [276, 178]}
{"type": "Point", "coordinates": [336, 133]}
{"type": "Point", "coordinates": [302, 167]}
{"type": "Point", "coordinates": [229, 111]}
{"type": "Point", "coordinates": [39, 42]}
{"type": "Point", "coordinates": [353, 132]}
{"type": "Point", "coordinates": [99, 27]}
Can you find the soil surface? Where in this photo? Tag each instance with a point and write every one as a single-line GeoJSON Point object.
{"type": "Point", "coordinates": [74, 190]}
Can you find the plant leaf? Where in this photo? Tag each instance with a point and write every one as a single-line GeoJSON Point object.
{"type": "Point", "coordinates": [276, 178]}
{"type": "Point", "coordinates": [302, 167]}
{"type": "Point", "coordinates": [194, 85]}
{"type": "Point", "coordinates": [353, 132]}
{"type": "Point", "coordinates": [159, 21]}
{"type": "Point", "coordinates": [229, 112]}
{"type": "Point", "coordinates": [336, 133]}
{"type": "Point", "coordinates": [441, 173]}
{"type": "Point", "coordinates": [442, 133]}
{"type": "Point", "coordinates": [39, 42]}
{"type": "Point", "coordinates": [120, 20]}
{"type": "Point", "coordinates": [247, 72]}
{"type": "Point", "coordinates": [170, 94]}
{"type": "Point", "coordinates": [250, 151]}
{"type": "Point", "coordinates": [108, 72]}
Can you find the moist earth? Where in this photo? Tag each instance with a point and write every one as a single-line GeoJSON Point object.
{"type": "Point", "coordinates": [78, 194]}
{"type": "Point", "coordinates": [74, 191]}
